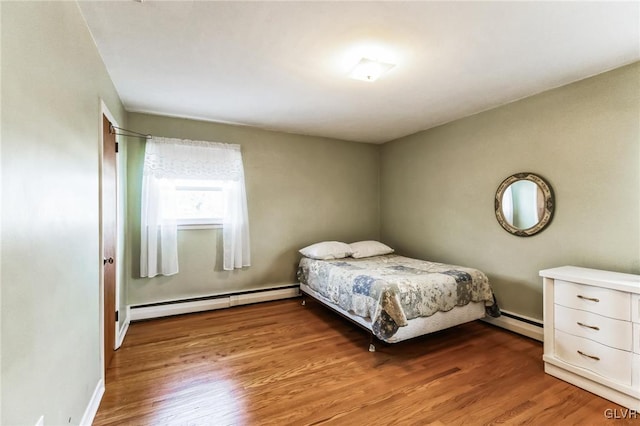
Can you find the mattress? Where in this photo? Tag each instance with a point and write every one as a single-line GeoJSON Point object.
{"type": "Point", "coordinates": [415, 327]}
{"type": "Point", "coordinates": [390, 291]}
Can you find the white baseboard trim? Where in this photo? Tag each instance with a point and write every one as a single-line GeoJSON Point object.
{"type": "Point", "coordinates": [94, 403]}
{"type": "Point", "coordinates": [178, 307]}
{"type": "Point", "coordinates": [123, 331]}
{"type": "Point", "coordinates": [518, 326]}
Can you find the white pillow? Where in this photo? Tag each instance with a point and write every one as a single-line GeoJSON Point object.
{"type": "Point", "coordinates": [327, 250]}
{"type": "Point", "coordinates": [369, 248]}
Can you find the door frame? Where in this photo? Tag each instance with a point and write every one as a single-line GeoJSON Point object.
{"type": "Point", "coordinates": [120, 222]}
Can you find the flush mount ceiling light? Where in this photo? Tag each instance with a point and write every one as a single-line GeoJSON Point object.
{"type": "Point", "coordinates": [369, 69]}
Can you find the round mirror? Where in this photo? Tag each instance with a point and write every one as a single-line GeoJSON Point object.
{"type": "Point", "coordinates": [524, 204]}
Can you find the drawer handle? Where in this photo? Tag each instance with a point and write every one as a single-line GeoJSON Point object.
{"type": "Point", "coordinates": [593, 299]}
{"type": "Point", "coordinates": [593, 327]}
{"type": "Point", "coordinates": [589, 356]}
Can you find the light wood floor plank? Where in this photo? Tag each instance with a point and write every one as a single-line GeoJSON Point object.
{"type": "Point", "coordinates": [281, 363]}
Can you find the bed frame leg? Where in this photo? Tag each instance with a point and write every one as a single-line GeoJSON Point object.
{"type": "Point", "coordinates": [304, 301]}
{"type": "Point", "coordinates": [372, 347]}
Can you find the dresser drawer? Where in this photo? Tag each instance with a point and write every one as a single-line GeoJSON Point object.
{"type": "Point", "coordinates": [636, 338]}
{"type": "Point", "coordinates": [635, 308]}
{"type": "Point", "coordinates": [603, 301]}
{"type": "Point", "coordinates": [613, 364]}
{"type": "Point", "coordinates": [608, 331]}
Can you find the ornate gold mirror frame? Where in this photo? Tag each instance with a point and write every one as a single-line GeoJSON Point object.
{"type": "Point", "coordinates": [506, 213]}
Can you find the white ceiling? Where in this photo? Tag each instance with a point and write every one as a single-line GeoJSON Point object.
{"type": "Point", "coordinates": [283, 65]}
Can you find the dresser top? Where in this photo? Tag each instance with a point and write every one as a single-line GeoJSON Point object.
{"type": "Point", "coordinates": [614, 280]}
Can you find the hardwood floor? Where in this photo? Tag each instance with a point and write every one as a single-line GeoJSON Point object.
{"type": "Point", "coordinates": [281, 363]}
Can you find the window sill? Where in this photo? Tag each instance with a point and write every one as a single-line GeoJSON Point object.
{"type": "Point", "coordinates": [199, 226]}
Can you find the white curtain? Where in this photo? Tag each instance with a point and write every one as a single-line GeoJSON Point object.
{"type": "Point", "coordinates": [534, 204]}
{"type": "Point", "coordinates": [507, 205]}
{"type": "Point", "coordinates": [166, 160]}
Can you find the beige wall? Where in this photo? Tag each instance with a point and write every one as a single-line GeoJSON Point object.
{"type": "Point", "coordinates": [300, 190]}
{"type": "Point", "coordinates": [52, 82]}
{"type": "Point", "coordinates": [438, 186]}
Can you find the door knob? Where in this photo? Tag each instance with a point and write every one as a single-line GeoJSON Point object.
{"type": "Point", "coordinates": [109, 260]}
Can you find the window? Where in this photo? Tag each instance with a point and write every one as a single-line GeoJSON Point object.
{"type": "Point", "coordinates": [199, 203]}
{"type": "Point", "coordinates": [196, 183]}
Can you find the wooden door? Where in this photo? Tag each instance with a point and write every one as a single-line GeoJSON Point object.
{"type": "Point", "coordinates": [109, 235]}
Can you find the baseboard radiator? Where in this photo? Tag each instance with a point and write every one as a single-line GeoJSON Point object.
{"type": "Point", "coordinates": [186, 306]}
{"type": "Point", "coordinates": [518, 324]}
{"type": "Point", "coordinates": [513, 322]}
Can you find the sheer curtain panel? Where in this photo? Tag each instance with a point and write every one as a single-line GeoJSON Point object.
{"type": "Point", "coordinates": [507, 205]}
{"type": "Point", "coordinates": [167, 160]}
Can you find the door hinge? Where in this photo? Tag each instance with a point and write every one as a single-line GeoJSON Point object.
{"type": "Point", "coordinates": [117, 315]}
{"type": "Point", "coordinates": [116, 147]}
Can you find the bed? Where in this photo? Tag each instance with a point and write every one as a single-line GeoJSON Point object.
{"type": "Point", "coordinates": [397, 298]}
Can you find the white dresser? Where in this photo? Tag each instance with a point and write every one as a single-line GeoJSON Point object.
{"type": "Point", "coordinates": [592, 331]}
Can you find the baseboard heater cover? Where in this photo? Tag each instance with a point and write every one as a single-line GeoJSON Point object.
{"type": "Point", "coordinates": [518, 324]}
{"type": "Point", "coordinates": [200, 304]}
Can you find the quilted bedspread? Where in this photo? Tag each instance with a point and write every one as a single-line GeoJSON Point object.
{"type": "Point", "coordinates": [391, 289]}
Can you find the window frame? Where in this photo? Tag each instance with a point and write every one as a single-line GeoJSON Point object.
{"type": "Point", "coordinates": [185, 223]}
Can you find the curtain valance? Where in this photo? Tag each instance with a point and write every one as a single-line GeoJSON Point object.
{"type": "Point", "coordinates": [170, 158]}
